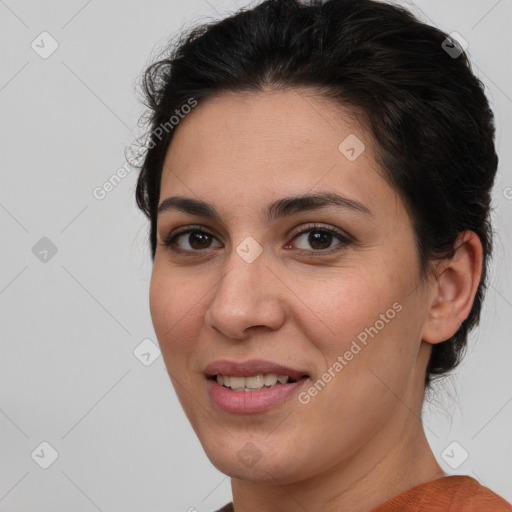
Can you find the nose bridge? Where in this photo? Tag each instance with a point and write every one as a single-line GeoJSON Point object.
{"type": "Point", "coordinates": [238, 290]}
{"type": "Point", "coordinates": [245, 296]}
{"type": "Point", "coordinates": [245, 268]}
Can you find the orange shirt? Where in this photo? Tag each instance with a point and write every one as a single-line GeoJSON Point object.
{"type": "Point", "coordinates": [449, 494]}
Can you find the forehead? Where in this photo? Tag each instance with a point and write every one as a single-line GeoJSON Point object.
{"type": "Point", "coordinates": [274, 142]}
{"type": "Point", "coordinates": [288, 124]}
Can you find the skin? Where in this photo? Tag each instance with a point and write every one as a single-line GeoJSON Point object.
{"type": "Point", "coordinates": [359, 441]}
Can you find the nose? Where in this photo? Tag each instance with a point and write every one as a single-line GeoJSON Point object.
{"type": "Point", "coordinates": [248, 297]}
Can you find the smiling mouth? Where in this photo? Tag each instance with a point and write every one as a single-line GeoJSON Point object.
{"type": "Point", "coordinates": [254, 382]}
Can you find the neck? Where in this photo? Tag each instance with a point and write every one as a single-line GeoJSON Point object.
{"type": "Point", "coordinates": [393, 462]}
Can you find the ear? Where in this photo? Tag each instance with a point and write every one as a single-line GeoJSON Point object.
{"type": "Point", "coordinates": [454, 290]}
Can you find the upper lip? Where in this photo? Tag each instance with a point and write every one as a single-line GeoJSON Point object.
{"type": "Point", "coordinates": [251, 367]}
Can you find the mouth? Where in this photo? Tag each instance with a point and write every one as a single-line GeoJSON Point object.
{"type": "Point", "coordinates": [252, 386]}
{"type": "Point", "coordinates": [254, 382]}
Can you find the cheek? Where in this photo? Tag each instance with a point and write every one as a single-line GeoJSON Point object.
{"type": "Point", "coordinates": [174, 310]}
{"type": "Point", "coordinates": [370, 318]}
{"type": "Point", "coordinates": [339, 309]}
{"type": "Point", "coordinates": [160, 303]}
{"type": "Point", "coordinates": [365, 332]}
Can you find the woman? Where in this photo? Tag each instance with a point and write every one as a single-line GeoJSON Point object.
{"type": "Point", "coordinates": [318, 183]}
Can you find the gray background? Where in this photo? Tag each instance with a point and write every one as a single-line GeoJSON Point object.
{"type": "Point", "coordinates": [70, 323]}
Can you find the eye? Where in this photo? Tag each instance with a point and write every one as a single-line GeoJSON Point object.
{"type": "Point", "coordinates": [198, 239]}
{"type": "Point", "coordinates": [320, 239]}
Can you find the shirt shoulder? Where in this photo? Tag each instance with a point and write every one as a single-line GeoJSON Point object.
{"type": "Point", "coordinates": [449, 494]}
{"type": "Point", "coordinates": [456, 493]}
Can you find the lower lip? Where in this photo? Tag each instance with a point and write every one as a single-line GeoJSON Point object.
{"type": "Point", "coordinates": [241, 402]}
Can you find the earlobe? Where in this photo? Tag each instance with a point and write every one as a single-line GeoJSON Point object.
{"type": "Point", "coordinates": [454, 289]}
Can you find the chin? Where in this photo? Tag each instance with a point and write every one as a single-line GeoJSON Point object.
{"type": "Point", "coordinates": [250, 463]}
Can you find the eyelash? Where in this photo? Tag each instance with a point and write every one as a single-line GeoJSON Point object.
{"type": "Point", "coordinates": [169, 241]}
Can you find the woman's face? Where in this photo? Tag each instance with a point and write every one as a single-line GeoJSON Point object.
{"type": "Point", "coordinates": [332, 293]}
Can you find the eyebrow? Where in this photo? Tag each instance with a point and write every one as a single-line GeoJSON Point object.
{"type": "Point", "coordinates": [283, 207]}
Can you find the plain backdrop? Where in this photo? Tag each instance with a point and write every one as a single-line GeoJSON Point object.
{"type": "Point", "coordinates": [79, 393]}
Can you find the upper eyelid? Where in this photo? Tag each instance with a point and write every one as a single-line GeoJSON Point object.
{"type": "Point", "coordinates": [305, 227]}
{"type": "Point", "coordinates": [319, 227]}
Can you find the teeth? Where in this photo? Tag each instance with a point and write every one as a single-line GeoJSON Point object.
{"type": "Point", "coordinates": [270, 379]}
{"type": "Point", "coordinates": [236, 382]}
{"type": "Point", "coordinates": [254, 382]}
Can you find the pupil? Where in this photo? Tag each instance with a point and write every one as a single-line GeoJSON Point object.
{"type": "Point", "coordinates": [196, 236]}
{"type": "Point", "coordinates": [317, 237]}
